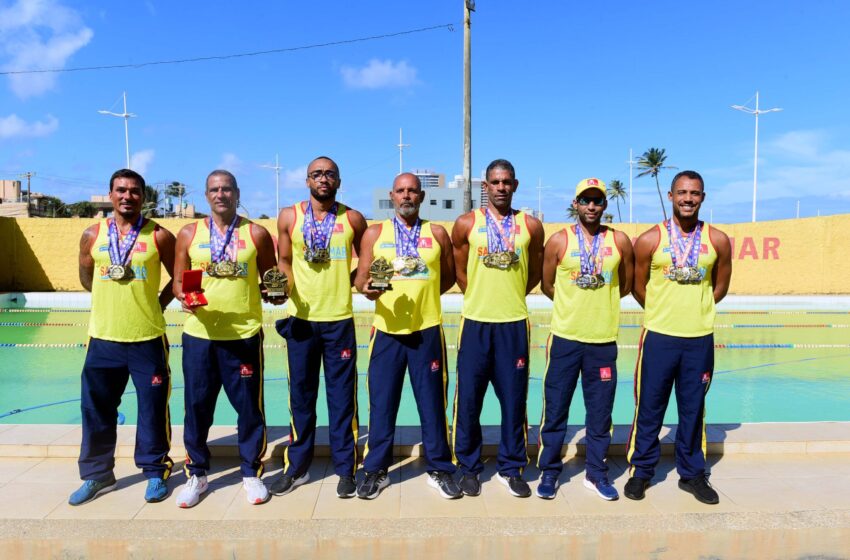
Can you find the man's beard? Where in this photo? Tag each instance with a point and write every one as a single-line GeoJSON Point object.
{"type": "Point", "coordinates": [322, 197]}
{"type": "Point", "coordinates": [407, 211]}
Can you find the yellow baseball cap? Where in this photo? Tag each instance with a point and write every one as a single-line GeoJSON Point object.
{"type": "Point", "coordinates": [591, 183]}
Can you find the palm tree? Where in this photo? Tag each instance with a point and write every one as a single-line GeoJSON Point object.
{"type": "Point", "coordinates": [177, 190]}
{"type": "Point", "coordinates": [608, 218]}
{"type": "Point", "coordinates": [153, 199]}
{"type": "Point", "coordinates": [652, 162]}
{"type": "Point", "coordinates": [617, 192]}
{"type": "Point", "coordinates": [572, 213]}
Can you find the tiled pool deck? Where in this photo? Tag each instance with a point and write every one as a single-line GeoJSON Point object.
{"type": "Point", "coordinates": [784, 491]}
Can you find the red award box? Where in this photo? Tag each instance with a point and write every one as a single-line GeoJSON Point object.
{"type": "Point", "coordinates": [192, 288]}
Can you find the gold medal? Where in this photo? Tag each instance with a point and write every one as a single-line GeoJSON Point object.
{"type": "Point", "coordinates": [117, 272]}
{"type": "Point", "coordinates": [224, 269]}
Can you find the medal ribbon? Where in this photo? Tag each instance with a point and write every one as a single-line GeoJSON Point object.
{"type": "Point", "coordinates": [684, 249]}
{"type": "Point", "coordinates": [499, 237]}
{"type": "Point", "coordinates": [318, 235]}
{"type": "Point", "coordinates": [407, 244]}
{"type": "Point", "coordinates": [587, 259]}
{"type": "Point", "coordinates": [120, 253]}
{"type": "Point", "coordinates": [221, 247]}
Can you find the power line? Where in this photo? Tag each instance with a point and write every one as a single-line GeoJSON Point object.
{"type": "Point", "coordinates": [448, 26]}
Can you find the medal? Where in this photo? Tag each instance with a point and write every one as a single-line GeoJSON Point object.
{"type": "Point", "coordinates": [317, 235]}
{"type": "Point", "coordinates": [398, 264]}
{"type": "Point", "coordinates": [695, 275]}
{"type": "Point", "coordinates": [684, 253]}
{"type": "Point", "coordinates": [500, 242]}
{"type": "Point", "coordinates": [407, 261]}
{"type": "Point", "coordinates": [590, 264]}
{"type": "Point", "coordinates": [119, 253]}
{"type": "Point", "coordinates": [223, 250]}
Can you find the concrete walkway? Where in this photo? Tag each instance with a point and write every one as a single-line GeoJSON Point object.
{"type": "Point", "coordinates": [774, 504]}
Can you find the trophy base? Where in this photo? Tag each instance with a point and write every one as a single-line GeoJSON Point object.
{"type": "Point", "coordinates": [380, 287]}
{"type": "Point", "coordinates": [275, 294]}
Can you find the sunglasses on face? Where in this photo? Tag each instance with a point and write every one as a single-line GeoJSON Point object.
{"type": "Point", "coordinates": [585, 200]}
{"type": "Point", "coordinates": [330, 175]}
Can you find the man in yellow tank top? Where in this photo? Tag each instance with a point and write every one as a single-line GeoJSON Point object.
{"type": "Point", "coordinates": [223, 341]}
{"type": "Point", "coordinates": [587, 268]}
{"type": "Point", "coordinates": [120, 260]}
{"type": "Point", "coordinates": [316, 240]}
{"type": "Point", "coordinates": [682, 269]}
{"type": "Point", "coordinates": [407, 334]}
{"type": "Point", "coordinates": [498, 260]}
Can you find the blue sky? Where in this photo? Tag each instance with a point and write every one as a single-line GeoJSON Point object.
{"type": "Point", "coordinates": [562, 89]}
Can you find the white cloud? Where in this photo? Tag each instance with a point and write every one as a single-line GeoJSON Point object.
{"type": "Point", "coordinates": [230, 162]}
{"type": "Point", "coordinates": [294, 178]}
{"type": "Point", "coordinates": [151, 8]}
{"type": "Point", "coordinates": [380, 74]}
{"type": "Point", "coordinates": [38, 34]}
{"type": "Point", "coordinates": [141, 160]}
{"type": "Point", "coordinates": [15, 127]}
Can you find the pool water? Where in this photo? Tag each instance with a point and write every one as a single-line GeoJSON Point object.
{"type": "Point", "coordinates": [770, 366]}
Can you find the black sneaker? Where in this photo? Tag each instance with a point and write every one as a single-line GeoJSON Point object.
{"type": "Point", "coordinates": [287, 483]}
{"type": "Point", "coordinates": [470, 485]}
{"type": "Point", "coordinates": [444, 482]}
{"type": "Point", "coordinates": [516, 485]}
{"type": "Point", "coordinates": [372, 485]}
{"type": "Point", "coordinates": [701, 489]}
{"type": "Point", "coordinates": [346, 487]}
{"type": "Point", "coordinates": [636, 488]}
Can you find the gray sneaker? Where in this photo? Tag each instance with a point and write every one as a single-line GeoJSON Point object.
{"type": "Point", "coordinates": [446, 485]}
{"type": "Point", "coordinates": [470, 485]}
{"type": "Point", "coordinates": [372, 485]}
{"type": "Point", "coordinates": [287, 483]}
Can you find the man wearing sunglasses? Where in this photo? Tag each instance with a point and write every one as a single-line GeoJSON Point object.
{"type": "Point", "coordinates": [316, 240]}
{"type": "Point", "coordinates": [498, 255]}
{"type": "Point", "coordinates": [587, 268]}
{"type": "Point", "coordinates": [682, 269]}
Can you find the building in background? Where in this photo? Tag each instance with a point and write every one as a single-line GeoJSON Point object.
{"type": "Point", "coordinates": [442, 203]}
{"type": "Point", "coordinates": [429, 179]}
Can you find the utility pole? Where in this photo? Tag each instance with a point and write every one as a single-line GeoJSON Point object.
{"type": "Point", "coordinates": [126, 116]}
{"type": "Point", "coordinates": [631, 162]}
{"type": "Point", "coordinates": [401, 146]}
{"type": "Point", "coordinates": [28, 175]}
{"type": "Point", "coordinates": [277, 169]}
{"type": "Point", "coordinates": [468, 8]}
{"type": "Point", "coordinates": [540, 188]}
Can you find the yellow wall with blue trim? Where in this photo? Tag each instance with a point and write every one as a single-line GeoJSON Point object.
{"type": "Point", "coordinates": [806, 256]}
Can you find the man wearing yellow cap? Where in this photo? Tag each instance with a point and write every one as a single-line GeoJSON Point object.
{"type": "Point", "coordinates": [587, 268]}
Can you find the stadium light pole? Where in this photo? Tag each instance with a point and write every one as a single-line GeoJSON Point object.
{"type": "Point", "coordinates": [401, 146]}
{"type": "Point", "coordinates": [755, 112]}
{"type": "Point", "coordinates": [126, 116]}
{"type": "Point", "coordinates": [277, 169]}
{"type": "Point", "coordinates": [468, 8]}
{"type": "Point", "coordinates": [631, 163]}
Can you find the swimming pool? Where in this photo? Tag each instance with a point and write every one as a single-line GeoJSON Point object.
{"type": "Point", "coordinates": [777, 360]}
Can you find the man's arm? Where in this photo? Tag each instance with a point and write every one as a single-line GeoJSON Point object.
{"type": "Point", "coordinates": [86, 260]}
{"type": "Point", "coordinates": [361, 277]}
{"type": "Point", "coordinates": [644, 247]}
{"type": "Point", "coordinates": [535, 253]}
{"type": "Point", "coordinates": [358, 224]}
{"type": "Point", "coordinates": [721, 276]}
{"type": "Point", "coordinates": [460, 247]}
{"type": "Point", "coordinates": [165, 245]}
{"type": "Point", "coordinates": [553, 252]}
{"type": "Point", "coordinates": [266, 259]}
{"type": "Point", "coordinates": [182, 263]}
{"type": "Point", "coordinates": [626, 269]}
{"type": "Point", "coordinates": [285, 220]}
{"type": "Point", "coordinates": [447, 261]}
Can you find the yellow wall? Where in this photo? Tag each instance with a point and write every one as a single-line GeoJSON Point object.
{"type": "Point", "coordinates": [804, 256]}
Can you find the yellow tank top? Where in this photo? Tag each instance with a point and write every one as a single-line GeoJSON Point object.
{"type": "Point", "coordinates": [675, 309]}
{"type": "Point", "coordinates": [587, 315]}
{"type": "Point", "coordinates": [494, 295]}
{"type": "Point", "coordinates": [414, 302]}
{"type": "Point", "coordinates": [322, 291]}
{"type": "Point", "coordinates": [126, 310]}
{"type": "Point", "coordinates": [235, 309]}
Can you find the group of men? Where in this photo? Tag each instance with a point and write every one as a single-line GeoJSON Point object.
{"type": "Point", "coordinates": [677, 270]}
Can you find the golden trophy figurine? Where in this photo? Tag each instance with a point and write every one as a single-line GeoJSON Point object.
{"type": "Point", "coordinates": [275, 283]}
{"type": "Point", "coordinates": [380, 272]}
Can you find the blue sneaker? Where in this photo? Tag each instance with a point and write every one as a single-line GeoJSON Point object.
{"type": "Point", "coordinates": [602, 488]}
{"type": "Point", "coordinates": [90, 490]}
{"type": "Point", "coordinates": [548, 487]}
{"type": "Point", "coordinates": [156, 491]}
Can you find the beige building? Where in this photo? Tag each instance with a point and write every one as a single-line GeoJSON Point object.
{"type": "Point", "coordinates": [10, 191]}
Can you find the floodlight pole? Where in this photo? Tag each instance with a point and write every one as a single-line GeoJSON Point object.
{"type": "Point", "coordinates": [126, 116]}
{"type": "Point", "coordinates": [755, 112]}
{"type": "Point", "coordinates": [401, 146]}
{"type": "Point", "coordinates": [631, 162]}
{"type": "Point", "coordinates": [277, 169]}
{"type": "Point", "coordinates": [468, 8]}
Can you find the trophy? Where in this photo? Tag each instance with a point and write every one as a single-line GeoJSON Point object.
{"type": "Point", "coordinates": [275, 283]}
{"type": "Point", "coordinates": [380, 272]}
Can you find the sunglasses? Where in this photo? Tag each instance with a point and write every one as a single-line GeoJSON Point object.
{"type": "Point", "coordinates": [585, 200]}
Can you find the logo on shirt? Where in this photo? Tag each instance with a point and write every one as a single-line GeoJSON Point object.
{"type": "Point", "coordinates": [345, 354]}
{"type": "Point", "coordinates": [425, 243]}
{"type": "Point", "coordinates": [338, 228]}
{"type": "Point", "coordinates": [521, 363]}
{"type": "Point", "coordinates": [156, 380]}
{"type": "Point", "coordinates": [246, 370]}
{"type": "Point", "coordinates": [706, 377]}
{"type": "Point", "coordinates": [435, 366]}
{"type": "Point", "coordinates": [605, 374]}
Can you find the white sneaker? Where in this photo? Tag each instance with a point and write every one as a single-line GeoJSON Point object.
{"type": "Point", "coordinates": [257, 491]}
{"type": "Point", "coordinates": [191, 492]}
